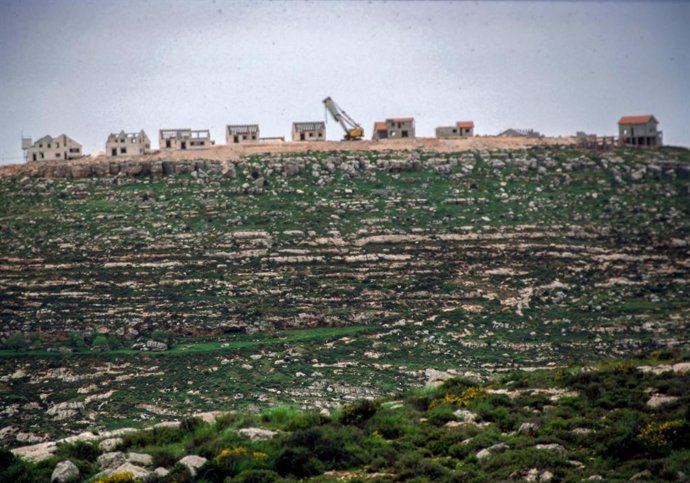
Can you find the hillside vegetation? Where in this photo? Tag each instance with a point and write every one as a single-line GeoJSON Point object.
{"type": "Point", "coordinates": [134, 293]}
{"type": "Point", "coordinates": [619, 421]}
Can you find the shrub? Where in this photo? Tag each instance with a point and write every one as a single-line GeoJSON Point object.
{"type": "Point", "coordinates": [80, 450]}
{"type": "Point", "coordinates": [299, 462]}
{"type": "Point", "coordinates": [440, 415]}
{"type": "Point", "coordinates": [191, 424]}
{"type": "Point", "coordinates": [358, 414]}
{"type": "Point", "coordinates": [126, 477]}
{"type": "Point", "coordinates": [669, 434]}
{"type": "Point", "coordinates": [257, 476]}
{"type": "Point", "coordinates": [16, 341]}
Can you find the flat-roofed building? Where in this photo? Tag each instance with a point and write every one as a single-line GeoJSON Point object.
{"type": "Point", "coordinates": [50, 148]}
{"type": "Point", "coordinates": [127, 144]}
{"type": "Point", "coordinates": [462, 129]}
{"type": "Point", "coordinates": [309, 131]}
{"type": "Point", "coordinates": [242, 133]}
{"type": "Point", "coordinates": [184, 139]}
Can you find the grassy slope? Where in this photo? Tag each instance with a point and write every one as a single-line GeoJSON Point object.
{"type": "Point", "coordinates": [597, 418]}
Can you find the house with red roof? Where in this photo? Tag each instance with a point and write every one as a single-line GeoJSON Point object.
{"type": "Point", "coordinates": [396, 127]}
{"type": "Point", "coordinates": [462, 129]}
{"type": "Point", "coordinates": [639, 131]}
{"type": "Point", "coordinates": [380, 130]}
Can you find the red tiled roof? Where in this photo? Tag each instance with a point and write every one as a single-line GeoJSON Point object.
{"type": "Point", "coordinates": [380, 126]}
{"type": "Point", "coordinates": [466, 124]}
{"type": "Point", "coordinates": [636, 119]}
{"type": "Point", "coordinates": [401, 119]}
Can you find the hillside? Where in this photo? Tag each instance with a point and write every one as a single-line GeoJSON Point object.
{"type": "Point", "coordinates": [136, 292]}
{"type": "Point", "coordinates": [626, 420]}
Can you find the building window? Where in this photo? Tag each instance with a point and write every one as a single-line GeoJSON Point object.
{"type": "Point", "coordinates": [57, 155]}
{"type": "Point", "coordinates": [311, 134]}
{"type": "Point", "coordinates": [57, 145]}
{"type": "Point", "coordinates": [123, 150]}
{"type": "Point", "coordinates": [42, 156]}
{"type": "Point", "coordinates": [49, 145]}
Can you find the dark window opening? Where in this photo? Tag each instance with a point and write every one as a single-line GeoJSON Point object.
{"type": "Point", "coordinates": [113, 152]}
{"type": "Point", "coordinates": [404, 134]}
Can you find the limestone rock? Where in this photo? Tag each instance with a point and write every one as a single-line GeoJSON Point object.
{"type": "Point", "coordinates": [154, 345]}
{"type": "Point", "coordinates": [193, 462]}
{"type": "Point", "coordinates": [141, 459]}
{"type": "Point", "coordinates": [257, 434]}
{"type": "Point", "coordinates": [491, 450]}
{"type": "Point", "coordinates": [127, 467]}
{"type": "Point", "coordinates": [111, 460]}
{"type": "Point", "coordinates": [65, 471]}
{"type": "Point", "coordinates": [109, 444]}
{"type": "Point", "coordinates": [529, 429]}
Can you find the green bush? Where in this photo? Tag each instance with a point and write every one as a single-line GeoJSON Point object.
{"type": "Point", "coordinates": [257, 476]}
{"type": "Point", "coordinates": [79, 450]}
{"type": "Point", "coordinates": [299, 462]}
{"type": "Point", "coordinates": [359, 413]}
{"type": "Point", "coordinates": [16, 341]}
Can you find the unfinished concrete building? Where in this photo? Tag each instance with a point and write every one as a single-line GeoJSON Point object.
{"type": "Point", "coordinates": [309, 131]}
{"type": "Point", "coordinates": [127, 144]}
{"type": "Point", "coordinates": [462, 129]}
{"type": "Point", "coordinates": [380, 130]}
{"type": "Point", "coordinates": [523, 133]}
{"type": "Point", "coordinates": [639, 131]}
{"type": "Point", "coordinates": [242, 133]}
{"type": "Point", "coordinates": [183, 139]}
{"type": "Point", "coordinates": [400, 127]}
{"type": "Point", "coordinates": [50, 148]}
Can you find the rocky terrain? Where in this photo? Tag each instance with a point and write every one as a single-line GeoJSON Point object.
{"type": "Point", "coordinates": [623, 420]}
{"type": "Point", "coordinates": [138, 292]}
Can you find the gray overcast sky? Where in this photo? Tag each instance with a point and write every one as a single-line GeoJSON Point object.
{"type": "Point", "coordinates": [87, 68]}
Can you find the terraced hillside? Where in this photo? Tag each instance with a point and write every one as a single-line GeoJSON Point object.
{"type": "Point", "coordinates": [149, 291]}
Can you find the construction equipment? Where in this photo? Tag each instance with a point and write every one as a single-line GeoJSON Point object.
{"type": "Point", "coordinates": [353, 131]}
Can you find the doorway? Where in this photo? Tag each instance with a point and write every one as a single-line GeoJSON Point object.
{"type": "Point", "coordinates": [183, 145]}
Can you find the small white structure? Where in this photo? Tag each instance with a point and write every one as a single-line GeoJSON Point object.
{"type": "Point", "coordinates": [50, 148]}
{"type": "Point", "coordinates": [127, 144]}
{"type": "Point", "coordinates": [184, 139]}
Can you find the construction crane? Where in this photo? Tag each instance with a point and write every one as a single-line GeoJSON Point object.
{"type": "Point", "coordinates": [353, 131]}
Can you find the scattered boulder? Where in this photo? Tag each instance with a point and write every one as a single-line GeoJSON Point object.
{"type": "Point", "coordinates": [193, 462]}
{"type": "Point", "coordinates": [550, 447]}
{"type": "Point", "coordinates": [65, 471]}
{"type": "Point", "coordinates": [528, 429]}
{"type": "Point", "coordinates": [154, 345]}
{"type": "Point", "coordinates": [111, 460]}
{"type": "Point", "coordinates": [257, 434]}
{"type": "Point", "coordinates": [127, 467]}
{"type": "Point", "coordinates": [109, 444]}
{"type": "Point", "coordinates": [141, 459]}
{"type": "Point", "coordinates": [491, 450]}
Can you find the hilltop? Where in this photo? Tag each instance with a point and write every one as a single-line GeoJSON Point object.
{"type": "Point", "coordinates": [134, 292]}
